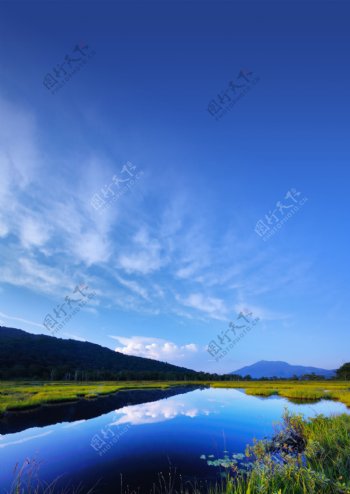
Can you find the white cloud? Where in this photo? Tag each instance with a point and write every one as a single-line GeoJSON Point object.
{"type": "Point", "coordinates": [19, 270]}
{"type": "Point", "coordinates": [19, 157]}
{"type": "Point", "coordinates": [187, 272]}
{"type": "Point", "coordinates": [213, 307]}
{"type": "Point", "coordinates": [154, 348]}
{"type": "Point", "coordinates": [3, 229]}
{"type": "Point", "coordinates": [91, 247]}
{"type": "Point", "coordinates": [146, 256]}
{"type": "Point", "coordinates": [51, 221]}
{"type": "Point", "coordinates": [54, 235]}
{"type": "Point", "coordinates": [261, 312]}
{"type": "Point", "coordinates": [33, 232]}
{"type": "Point", "coordinates": [133, 286]}
{"type": "Point", "coordinates": [20, 319]}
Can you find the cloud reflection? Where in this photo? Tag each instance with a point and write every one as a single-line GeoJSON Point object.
{"type": "Point", "coordinates": [25, 439]}
{"type": "Point", "coordinates": [150, 413]}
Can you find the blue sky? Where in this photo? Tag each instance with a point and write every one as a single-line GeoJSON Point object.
{"type": "Point", "coordinates": [176, 258]}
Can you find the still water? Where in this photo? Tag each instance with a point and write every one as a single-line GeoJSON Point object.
{"type": "Point", "coordinates": [128, 439]}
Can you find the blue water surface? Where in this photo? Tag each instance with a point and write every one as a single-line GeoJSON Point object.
{"type": "Point", "coordinates": [130, 446]}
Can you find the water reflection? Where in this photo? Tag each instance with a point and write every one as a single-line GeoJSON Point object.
{"type": "Point", "coordinates": [142, 435]}
{"type": "Point", "coordinates": [151, 413]}
{"type": "Point", "coordinates": [84, 409]}
{"type": "Point", "coordinates": [23, 439]}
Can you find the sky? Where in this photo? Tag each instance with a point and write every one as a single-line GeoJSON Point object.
{"type": "Point", "coordinates": [125, 188]}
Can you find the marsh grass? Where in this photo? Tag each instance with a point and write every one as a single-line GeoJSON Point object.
{"type": "Point", "coordinates": [27, 481]}
{"type": "Point", "coordinates": [294, 390]}
{"type": "Point", "coordinates": [323, 466]}
{"type": "Point", "coordinates": [343, 396]}
{"type": "Point", "coordinates": [305, 393]}
{"type": "Point", "coordinates": [261, 391]}
{"type": "Point", "coordinates": [15, 396]}
{"type": "Point", "coordinates": [23, 396]}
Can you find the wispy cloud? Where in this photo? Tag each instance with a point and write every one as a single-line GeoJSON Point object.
{"type": "Point", "coordinates": [25, 439]}
{"type": "Point", "coordinates": [21, 320]}
{"type": "Point", "coordinates": [262, 313]}
{"type": "Point", "coordinates": [146, 256]}
{"type": "Point", "coordinates": [133, 286]}
{"type": "Point", "coordinates": [163, 258]}
{"type": "Point", "coordinates": [211, 306]}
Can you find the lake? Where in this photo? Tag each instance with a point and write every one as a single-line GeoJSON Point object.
{"type": "Point", "coordinates": [129, 438]}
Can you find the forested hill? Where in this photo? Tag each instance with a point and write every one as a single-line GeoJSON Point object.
{"type": "Point", "coordinates": [25, 355]}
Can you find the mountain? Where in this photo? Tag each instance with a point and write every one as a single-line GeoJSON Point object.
{"type": "Point", "coordinates": [266, 368]}
{"type": "Point", "coordinates": [25, 355]}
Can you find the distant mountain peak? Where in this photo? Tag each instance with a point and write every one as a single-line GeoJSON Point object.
{"type": "Point", "coordinates": [278, 368]}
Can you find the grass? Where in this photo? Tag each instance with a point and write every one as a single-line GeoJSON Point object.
{"type": "Point", "coordinates": [27, 481]}
{"type": "Point", "coordinates": [323, 466]}
{"type": "Point", "coordinates": [343, 396]}
{"type": "Point", "coordinates": [304, 457]}
{"type": "Point", "coordinates": [261, 391]}
{"type": "Point", "coordinates": [15, 396]}
{"type": "Point", "coordinates": [297, 390]}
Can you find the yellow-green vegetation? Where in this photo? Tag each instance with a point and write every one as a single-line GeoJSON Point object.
{"type": "Point", "coordinates": [261, 391]}
{"type": "Point", "coordinates": [298, 390]}
{"type": "Point", "coordinates": [343, 396]}
{"type": "Point", "coordinates": [25, 395]}
{"type": "Point", "coordinates": [16, 396]}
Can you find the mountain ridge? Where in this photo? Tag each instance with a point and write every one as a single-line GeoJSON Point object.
{"type": "Point", "coordinates": [27, 355]}
{"type": "Point", "coordinates": [280, 369]}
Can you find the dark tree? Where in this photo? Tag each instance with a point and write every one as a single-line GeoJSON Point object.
{"type": "Point", "coordinates": [344, 372]}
